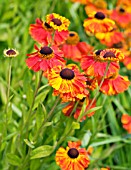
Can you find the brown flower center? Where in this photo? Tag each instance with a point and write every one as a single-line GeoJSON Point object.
{"type": "Point", "coordinates": [88, 82]}
{"type": "Point", "coordinates": [73, 38]}
{"type": "Point", "coordinates": [46, 51]}
{"type": "Point", "coordinates": [98, 52]}
{"type": "Point", "coordinates": [99, 15]}
{"type": "Point", "coordinates": [73, 153]}
{"type": "Point", "coordinates": [67, 74]}
{"type": "Point", "coordinates": [109, 54]}
{"type": "Point", "coordinates": [10, 52]}
{"type": "Point", "coordinates": [57, 21]}
{"type": "Point", "coordinates": [121, 10]}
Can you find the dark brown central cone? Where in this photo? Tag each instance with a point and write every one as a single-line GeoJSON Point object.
{"type": "Point", "coordinates": [88, 82]}
{"type": "Point", "coordinates": [10, 52]}
{"type": "Point", "coordinates": [109, 54]}
{"type": "Point", "coordinates": [98, 52]}
{"type": "Point", "coordinates": [118, 45]}
{"type": "Point", "coordinates": [57, 21]}
{"type": "Point", "coordinates": [121, 10]}
{"type": "Point", "coordinates": [47, 25]}
{"type": "Point", "coordinates": [67, 74]}
{"type": "Point", "coordinates": [71, 34]}
{"type": "Point", "coordinates": [82, 100]}
{"type": "Point", "coordinates": [46, 50]}
{"type": "Point", "coordinates": [73, 153]}
{"type": "Point", "coordinates": [99, 15]}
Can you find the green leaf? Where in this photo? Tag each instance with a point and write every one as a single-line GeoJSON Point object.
{"type": "Point", "coordinates": [42, 151]}
{"type": "Point", "coordinates": [13, 159]}
{"type": "Point", "coordinates": [40, 98]}
{"type": "Point", "coordinates": [29, 143]}
{"type": "Point", "coordinates": [75, 125]}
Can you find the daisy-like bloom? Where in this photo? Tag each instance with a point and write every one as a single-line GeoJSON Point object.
{"type": "Point", "coordinates": [121, 17]}
{"type": "Point", "coordinates": [110, 38]}
{"type": "Point", "coordinates": [57, 22]}
{"type": "Point", "coordinates": [45, 58]}
{"type": "Point", "coordinates": [115, 84]}
{"type": "Point", "coordinates": [125, 4]}
{"type": "Point", "coordinates": [111, 54]}
{"type": "Point", "coordinates": [126, 121]}
{"type": "Point", "coordinates": [73, 48]}
{"type": "Point", "coordinates": [69, 108]}
{"type": "Point", "coordinates": [10, 53]}
{"type": "Point", "coordinates": [98, 23]}
{"type": "Point", "coordinates": [68, 82]}
{"type": "Point", "coordinates": [42, 32]}
{"type": "Point", "coordinates": [95, 65]}
{"type": "Point", "coordinates": [96, 6]}
{"type": "Point", "coordinates": [73, 157]}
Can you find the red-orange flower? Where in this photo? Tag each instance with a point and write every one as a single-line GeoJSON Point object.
{"type": "Point", "coordinates": [73, 157]}
{"type": "Point", "coordinates": [121, 17]}
{"type": "Point", "coordinates": [110, 38]}
{"type": "Point", "coordinates": [95, 65]}
{"type": "Point", "coordinates": [98, 23]}
{"type": "Point", "coordinates": [126, 121]}
{"type": "Point", "coordinates": [68, 82]}
{"type": "Point", "coordinates": [45, 58]}
{"type": "Point", "coordinates": [69, 108]}
{"type": "Point", "coordinates": [73, 48]}
{"type": "Point", "coordinates": [42, 32]}
{"type": "Point", "coordinates": [127, 61]}
{"type": "Point", "coordinates": [115, 84]}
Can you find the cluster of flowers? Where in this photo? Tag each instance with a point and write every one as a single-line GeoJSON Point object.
{"type": "Point", "coordinates": [74, 81]}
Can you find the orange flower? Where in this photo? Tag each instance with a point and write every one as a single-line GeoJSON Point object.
{"type": "Point", "coordinates": [69, 108]}
{"type": "Point", "coordinates": [42, 33]}
{"type": "Point", "coordinates": [96, 6]}
{"type": "Point", "coordinates": [45, 58]}
{"type": "Point", "coordinates": [57, 22]}
{"type": "Point", "coordinates": [98, 23]}
{"type": "Point", "coordinates": [68, 82]}
{"type": "Point", "coordinates": [121, 17]}
{"type": "Point", "coordinates": [82, 1]}
{"type": "Point", "coordinates": [127, 61]}
{"type": "Point", "coordinates": [73, 49]}
{"type": "Point", "coordinates": [115, 84]}
{"type": "Point", "coordinates": [110, 38]}
{"type": "Point", "coordinates": [95, 65]}
{"type": "Point", "coordinates": [73, 157]}
{"type": "Point", "coordinates": [105, 168]}
{"type": "Point", "coordinates": [126, 121]}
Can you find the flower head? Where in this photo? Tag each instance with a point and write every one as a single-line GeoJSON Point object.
{"type": "Point", "coordinates": [10, 52]}
{"type": "Point", "coordinates": [126, 121]}
{"type": "Point", "coordinates": [95, 65]}
{"type": "Point", "coordinates": [115, 84]}
{"type": "Point", "coordinates": [68, 81]}
{"type": "Point", "coordinates": [73, 48]}
{"type": "Point", "coordinates": [45, 58]}
{"type": "Point", "coordinates": [42, 32]}
{"type": "Point", "coordinates": [57, 22]}
{"type": "Point", "coordinates": [73, 157]}
{"type": "Point", "coordinates": [98, 23]}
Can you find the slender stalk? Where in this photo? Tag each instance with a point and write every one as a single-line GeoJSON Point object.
{"type": "Point", "coordinates": [97, 92]}
{"type": "Point", "coordinates": [33, 102]}
{"type": "Point", "coordinates": [8, 90]}
{"type": "Point", "coordinates": [47, 118]}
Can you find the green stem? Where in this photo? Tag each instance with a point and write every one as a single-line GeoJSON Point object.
{"type": "Point", "coordinates": [8, 90]}
{"type": "Point", "coordinates": [97, 92]}
{"type": "Point", "coordinates": [47, 118]}
{"type": "Point", "coordinates": [30, 110]}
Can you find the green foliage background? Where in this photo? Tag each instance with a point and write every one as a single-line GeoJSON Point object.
{"type": "Point", "coordinates": [112, 144]}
